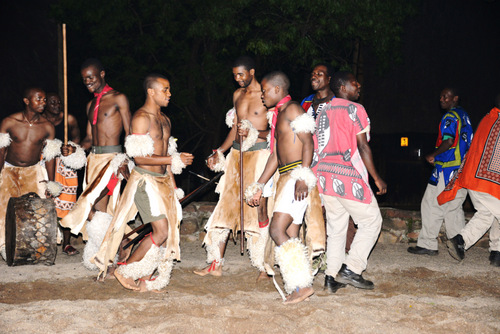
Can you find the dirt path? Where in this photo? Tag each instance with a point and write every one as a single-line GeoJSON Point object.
{"type": "Point", "coordinates": [412, 294]}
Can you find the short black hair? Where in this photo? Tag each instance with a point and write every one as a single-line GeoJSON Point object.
{"type": "Point", "coordinates": [150, 79]}
{"type": "Point", "coordinates": [278, 78]}
{"type": "Point", "coordinates": [329, 68]}
{"type": "Point", "coordinates": [453, 90]}
{"type": "Point", "coordinates": [28, 92]}
{"type": "Point", "coordinates": [340, 79]}
{"type": "Point", "coordinates": [92, 62]}
{"type": "Point", "coordinates": [245, 61]}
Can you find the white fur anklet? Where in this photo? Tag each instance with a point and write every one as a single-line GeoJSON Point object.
{"type": "Point", "coordinates": [305, 174]}
{"type": "Point", "coordinates": [177, 165]}
{"type": "Point", "coordinates": [253, 135]}
{"type": "Point", "coordinates": [217, 236]}
{"type": "Point", "coordinates": [304, 123]}
{"type": "Point", "coordinates": [257, 248]}
{"type": "Point", "coordinates": [163, 278]}
{"type": "Point", "coordinates": [75, 160]}
{"type": "Point", "coordinates": [5, 140]}
{"type": "Point", "coordinates": [141, 145]}
{"type": "Point", "coordinates": [144, 267]}
{"type": "Point", "coordinates": [52, 149]}
{"type": "Point", "coordinates": [252, 189]}
{"type": "Point", "coordinates": [295, 267]}
{"type": "Point", "coordinates": [54, 188]}
{"type": "Point", "coordinates": [96, 230]}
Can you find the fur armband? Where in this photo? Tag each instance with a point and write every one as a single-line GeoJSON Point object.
{"type": "Point", "coordinates": [177, 165]}
{"type": "Point", "coordinates": [252, 189]}
{"type": "Point", "coordinates": [4, 140]}
{"type": "Point", "coordinates": [172, 145]}
{"type": "Point", "coordinates": [179, 193]}
{"type": "Point", "coordinates": [139, 145]}
{"type": "Point", "coordinates": [252, 136]}
{"type": "Point", "coordinates": [52, 149]}
{"type": "Point", "coordinates": [305, 174]}
{"type": "Point", "coordinates": [54, 188]}
{"type": "Point", "coordinates": [75, 160]}
{"type": "Point", "coordinates": [230, 117]}
{"type": "Point", "coordinates": [221, 162]}
{"type": "Point", "coordinates": [303, 123]}
{"type": "Point", "coordinates": [117, 161]}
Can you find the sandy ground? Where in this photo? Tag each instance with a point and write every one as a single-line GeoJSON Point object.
{"type": "Point", "coordinates": [413, 294]}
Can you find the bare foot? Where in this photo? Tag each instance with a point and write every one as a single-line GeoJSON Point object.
{"type": "Point", "coordinates": [263, 276]}
{"type": "Point", "coordinates": [214, 270]}
{"type": "Point", "coordinates": [143, 288]}
{"type": "Point", "coordinates": [299, 295]}
{"type": "Point", "coordinates": [128, 283]}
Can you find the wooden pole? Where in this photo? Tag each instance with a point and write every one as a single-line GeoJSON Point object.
{"type": "Point", "coordinates": [242, 216]}
{"type": "Point", "coordinates": [65, 84]}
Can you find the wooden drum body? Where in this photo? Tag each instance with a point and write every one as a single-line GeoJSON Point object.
{"type": "Point", "coordinates": [30, 230]}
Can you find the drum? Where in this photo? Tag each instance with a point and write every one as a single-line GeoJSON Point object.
{"type": "Point", "coordinates": [30, 230]}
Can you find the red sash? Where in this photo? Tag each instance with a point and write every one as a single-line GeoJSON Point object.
{"type": "Point", "coordinates": [99, 95]}
{"type": "Point", "coordinates": [275, 118]}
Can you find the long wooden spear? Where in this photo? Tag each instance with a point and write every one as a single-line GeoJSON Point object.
{"type": "Point", "coordinates": [242, 216]}
{"type": "Point", "coordinates": [65, 85]}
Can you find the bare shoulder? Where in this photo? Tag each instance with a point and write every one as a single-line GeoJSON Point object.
{"type": "Point", "coordinates": [141, 115]}
{"type": "Point", "coordinates": [237, 94]}
{"type": "Point", "coordinates": [293, 110]}
{"type": "Point", "coordinates": [119, 97]}
{"type": "Point", "coordinates": [11, 120]}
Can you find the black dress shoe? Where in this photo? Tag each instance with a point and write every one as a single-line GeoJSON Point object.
{"type": "Point", "coordinates": [332, 285]}
{"type": "Point", "coordinates": [422, 251]}
{"type": "Point", "coordinates": [495, 258]}
{"type": "Point", "coordinates": [347, 276]}
{"type": "Point", "coordinates": [456, 247]}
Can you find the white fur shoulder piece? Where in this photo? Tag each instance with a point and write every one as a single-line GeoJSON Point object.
{"type": "Point", "coordinates": [139, 145]}
{"type": "Point", "coordinates": [172, 145]}
{"type": "Point", "coordinates": [54, 188]}
{"type": "Point", "coordinates": [52, 149]}
{"type": "Point", "coordinates": [4, 140]}
{"type": "Point", "coordinates": [177, 165]}
{"type": "Point", "coordinates": [305, 174]}
{"type": "Point", "coordinates": [303, 123]}
{"type": "Point", "coordinates": [253, 135]}
{"type": "Point", "coordinates": [231, 113]}
{"type": "Point", "coordinates": [76, 160]}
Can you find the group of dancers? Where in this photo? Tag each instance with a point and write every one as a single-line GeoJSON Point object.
{"type": "Point", "coordinates": [298, 160]}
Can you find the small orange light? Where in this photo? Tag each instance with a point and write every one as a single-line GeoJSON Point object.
{"type": "Point", "coordinates": [404, 141]}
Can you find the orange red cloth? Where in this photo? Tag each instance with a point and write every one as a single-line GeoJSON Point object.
{"type": "Point", "coordinates": [480, 170]}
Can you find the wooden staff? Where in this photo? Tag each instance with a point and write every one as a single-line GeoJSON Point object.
{"type": "Point", "coordinates": [65, 85]}
{"type": "Point", "coordinates": [242, 225]}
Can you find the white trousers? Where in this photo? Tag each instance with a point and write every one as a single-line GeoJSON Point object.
{"type": "Point", "coordinates": [369, 221]}
{"type": "Point", "coordinates": [433, 215]}
{"type": "Point", "coordinates": [488, 208]}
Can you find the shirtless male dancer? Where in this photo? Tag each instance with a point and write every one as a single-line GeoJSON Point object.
{"type": "Point", "coordinates": [24, 137]}
{"type": "Point", "coordinates": [295, 187]}
{"type": "Point", "coordinates": [108, 116]}
{"type": "Point", "coordinates": [251, 123]}
{"type": "Point", "coordinates": [65, 175]}
{"type": "Point", "coordinates": [150, 191]}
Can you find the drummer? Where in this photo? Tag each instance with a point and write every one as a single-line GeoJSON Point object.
{"type": "Point", "coordinates": [25, 136]}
